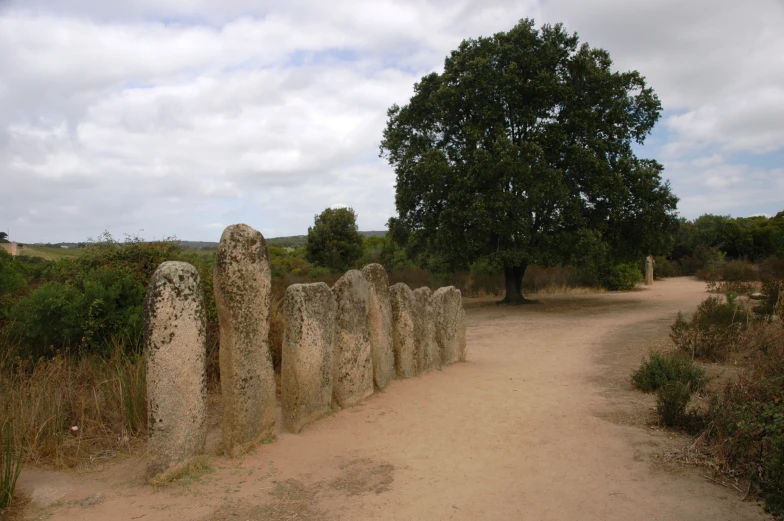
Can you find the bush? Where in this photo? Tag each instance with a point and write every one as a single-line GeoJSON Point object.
{"type": "Point", "coordinates": [84, 315]}
{"type": "Point", "coordinates": [660, 370]}
{"type": "Point", "coordinates": [714, 330]}
{"type": "Point", "coordinates": [747, 424]}
{"type": "Point", "coordinates": [621, 277]}
{"type": "Point", "coordinates": [729, 271]}
{"type": "Point", "coordinates": [671, 402]}
{"type": "Point", "coordinates": [703, 258]}
{"type": "Point", "coordinates": [664, 268]}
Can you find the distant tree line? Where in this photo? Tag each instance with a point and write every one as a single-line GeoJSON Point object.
{"type": "Point", "coordinates": [703, 240]}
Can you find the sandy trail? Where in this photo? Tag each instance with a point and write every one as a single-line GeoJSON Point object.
{"type": "Point", "coordinates": [539, 424]}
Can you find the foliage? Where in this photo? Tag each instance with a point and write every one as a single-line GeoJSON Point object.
{"type": "Point", "coordinates": [12, 275]}
{"type": "Point", "coordinates": [333, 240]}
{"type": "Point", "coordinates": [518, 148]}
{"type": "Point", "coordinates": [671, 401]}
{"type": "Point", "coordinates": [729, 271]}
{"type": "Point", "coordinates": [661, 369]}
{"type": "Point", "coordinates": [714, 330]}
{"type": "Point", "coordinates": [664, 267]}
{"type": "Point", "coordinates": [83, 303]}
{"type": "Point", "coordinates": [621, 277]}
{"type": "Point", "coordinates": [753, 238]}
{"type": "Point", "coordinates": [747, 425]}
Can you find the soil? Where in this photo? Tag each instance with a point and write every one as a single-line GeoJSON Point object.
{"type": "Point", "coordinates": [540, 423]}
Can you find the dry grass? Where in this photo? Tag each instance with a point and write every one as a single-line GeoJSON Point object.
{"type": "Point", "coordinates": [568, 290]}
{"type": "Point", "coordinates": [66, 412]}
{"type": "Point", "coordinates": [186, 474]}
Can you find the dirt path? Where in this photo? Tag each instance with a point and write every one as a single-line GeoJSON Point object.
{"type": "Point", "coordinates": [539, 424]}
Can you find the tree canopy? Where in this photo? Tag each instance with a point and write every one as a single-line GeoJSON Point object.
{"type": "Point", "coordinates": [520, 152]}
{"type": "Point", "coordinates": [333, 240]}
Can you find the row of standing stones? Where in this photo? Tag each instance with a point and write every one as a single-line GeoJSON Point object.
{"type": "Point", "coordinates": [339, 345]}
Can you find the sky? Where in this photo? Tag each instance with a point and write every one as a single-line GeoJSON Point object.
{"type": "Point", "coordinates": [163, 118]}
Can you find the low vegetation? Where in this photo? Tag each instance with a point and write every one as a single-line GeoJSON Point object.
{"type": "Point", "coordinates": [740, 424]}
{"type": "Point", "coordinates": [10, 463]}
{"type": "Point", "coordinates": [662, 369]}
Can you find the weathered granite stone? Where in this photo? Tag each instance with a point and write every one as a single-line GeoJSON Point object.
{"type": "Point", "coordinates": [447, 303]}
{"type": "Point", "coordinates": [242, 287]}
{"type": "Point", "coordinates": [352, 363]}
{"type": "Point", "coordinates": [649, 262]}
{"type": "Point", "coordinates": [175, 344]}
{"type": "Point", "coordinates": [380, 324]}
{"type": "Point", "coordinates": [306, 366]}
{"type": "Point", "coordinates": [403, 310]}
{"type": "Point", "coordinates": [428, 354]}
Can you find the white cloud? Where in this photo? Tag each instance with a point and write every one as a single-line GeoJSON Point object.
{"type": "Point", "coordinates": [176, 117]}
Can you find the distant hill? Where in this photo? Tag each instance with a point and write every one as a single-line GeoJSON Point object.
{"type": "Point", "coordinates": [292, 241]}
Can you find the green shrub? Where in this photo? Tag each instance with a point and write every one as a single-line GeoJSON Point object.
{"type": "Point", "coordinates": [672, 399]}
{"type": "Point", "coordinates": [664, 268]}
{"type": "Point", "coordinates": [702, 259]}
{"type": "Point", "coordinates": [729, 271]}
{"type": "Point", "coordinates": [101, 304]}
{"type": "Point", "coordinates": [621, 277]}
{"type": "Point", "coordinates": [659, 370]}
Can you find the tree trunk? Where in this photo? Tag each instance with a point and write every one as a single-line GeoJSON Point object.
{"type": "Point", "coordinates": [513, 280]}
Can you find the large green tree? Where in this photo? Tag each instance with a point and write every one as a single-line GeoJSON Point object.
{"type": "Point", "coordinates": [333, 240]}
{"type": "Point", "coordinates": [520, 152]}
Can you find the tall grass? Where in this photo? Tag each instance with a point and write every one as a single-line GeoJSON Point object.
{"type": "Point", "coordinates": [66, 411]}
{"type": "Point", "coordinates": [10, 464]}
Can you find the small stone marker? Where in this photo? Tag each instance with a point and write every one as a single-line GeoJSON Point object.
{"type": "Point", "coordinates": [380, 324]}
{"type": "Point", "coordinates": [306, 365]}
{"type": "Point", "coordinates": [242, 286]}
{"type": "Point", "coordinates": [404, 341]}
{"type": "Point", "coordinates": [447, 303]}
{"type": "Point", "coordinates": [649, 262]}
{"type": "Point", "coordinates": [352, 364]}
{"type": "Point", "coordinates": [428, 354]}
{"type": "Point", "coordinates": [175, 344]}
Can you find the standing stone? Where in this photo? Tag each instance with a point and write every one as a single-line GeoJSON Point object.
{"type": "Point", "coordinates": [352, 363]}
{"type": "Point", "coordinates": [462, 346]}
{"type": "Point", "coordinates": [175, 344]}
{"type": "Point", "coordinates": [649, 262]}
{"type": "Point", "coordinates": [403, 311]}
{"type": "Point", "coordinates": [380, 324]}
{"type": "Point", "coordinates": [447, 303]}
{"type": "Point", "coordinates": [306, 366]}
{"type": "Point", "coordinates": [242, 296]}
{"type": "Point", "coordinates": [428, 354]}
